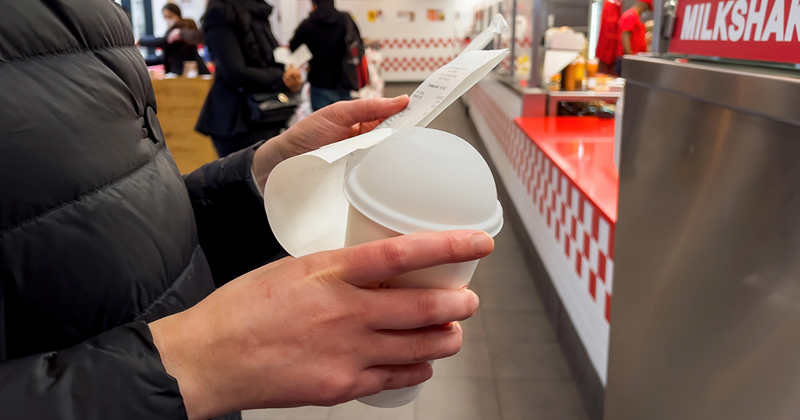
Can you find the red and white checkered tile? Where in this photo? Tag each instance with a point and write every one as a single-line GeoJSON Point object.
{"type": "Point", "coordinates": [414, 43]}
{"type": "Point", "coordinates": [413, 64]}
{"type": "Point", "coordinates": [524, 42]}
{"type": "Point", "coordinates": [579, 227]}
{"type": "Point", "coordinates": [416, 57]}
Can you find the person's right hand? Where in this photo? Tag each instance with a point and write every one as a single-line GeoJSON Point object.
{"type": "Point", "coordinates": [316, 331]}
{"type": "Point", "coordinates": [174, 36]}
{"type": "Point", "coordinates": [292, 79]}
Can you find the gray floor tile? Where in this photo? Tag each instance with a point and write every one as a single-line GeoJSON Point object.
{"type": "Point", "coordinates": [509, 298]}
{"type": "Point", "coordinates": [471, 362]}
{"type": "Point", "coordinates": [458, 399]}
{"type": "Point", "coordinates": [474, 327]}
{"type": "Point", "coordinates": [506, 254]}
{"type": "Point", "coordinates": [506, 243]}
{"type": "Point", "coordinates": [517, 327]}
{"type": "Point", "coordinates": [354, 410]}
{"type": "Point", "coordinates": [528, 361]}
{"type": "Point", "coordinates": [301, 413]}
{"type": "Point", "coordinates": [534, 400]}
{"type": "Point", "coordinates": [501, 258]}
{"type": "Point", "coordinates": [501, 271]}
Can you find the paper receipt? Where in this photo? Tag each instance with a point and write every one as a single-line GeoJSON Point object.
{"type": "Point", "coordinates": [443, 87]}
{"type": "Point", "coordinates": [297, 59]}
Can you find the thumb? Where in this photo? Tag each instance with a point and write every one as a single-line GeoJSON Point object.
{"type": "Point", "coordinates": [349, 113]}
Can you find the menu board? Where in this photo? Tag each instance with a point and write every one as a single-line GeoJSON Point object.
{"type": "Point", "coordinates": [756, 30]}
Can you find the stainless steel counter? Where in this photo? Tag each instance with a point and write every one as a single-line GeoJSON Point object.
{"type": "Point", "coordinates": [534, 100]}
{"type": "Point", "coordinates": [706, 311]}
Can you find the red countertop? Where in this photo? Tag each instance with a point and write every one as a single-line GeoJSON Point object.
{"type": "Point", "coordinates": [583, 148]}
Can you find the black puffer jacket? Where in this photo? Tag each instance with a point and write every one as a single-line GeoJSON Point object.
{"type": "Point", "coordinates": [99, 233]}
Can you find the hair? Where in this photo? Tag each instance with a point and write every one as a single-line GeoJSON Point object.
{"type": "Point", "coordinates": [186, 24]}
{"type": "Point", "coordinates": [174, 9]}
{"type": "Point", "coordinates": [321, 2]}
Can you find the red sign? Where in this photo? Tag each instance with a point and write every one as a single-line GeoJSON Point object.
{"type": "Point", "coordinates": [759, 30]}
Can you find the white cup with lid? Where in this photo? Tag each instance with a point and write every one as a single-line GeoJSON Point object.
{"type": "Point", "coordinates": [420, 180]}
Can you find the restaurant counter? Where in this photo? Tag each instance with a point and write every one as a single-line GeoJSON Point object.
{"type": "Point", "coordinates": [560, 175]}
{"type": "Point", "coordinates": [179, 103]}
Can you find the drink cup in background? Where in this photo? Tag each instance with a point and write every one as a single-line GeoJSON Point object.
{"type": "Point", "coordinates": [420, 180]}
{"type": "Point", "coordinates": [591, 67]}
{"type": "Point", "coordinates": [190, 69]}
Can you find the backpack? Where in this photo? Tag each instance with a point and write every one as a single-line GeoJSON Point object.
{"type": "Point", "coordinates": [354, 67]}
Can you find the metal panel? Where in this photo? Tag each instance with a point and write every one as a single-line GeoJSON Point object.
{"type": "Point", "coordinates": [771, 93]}
{"type": "Point", "coordinates": [564, 13]}
{"type": "Point", "coordinates": [706, 312]}
{"type": "Point", "coordinates": [534, 104]}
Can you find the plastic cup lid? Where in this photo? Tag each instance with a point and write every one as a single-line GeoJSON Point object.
{"type": "Point", "coordinates": [425, 180]}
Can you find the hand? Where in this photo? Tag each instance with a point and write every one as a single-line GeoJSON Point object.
{"type": "Point", "coordinates": [174, 35]}
{"type": "Point", "coordinates": [333, 123]}
{"type": "Point", "coordinates": [316, 331]}
{"type": "Point", "coordinates": [292, 79]}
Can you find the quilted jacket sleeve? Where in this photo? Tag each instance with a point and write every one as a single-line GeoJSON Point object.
{"type": "Point", "coordinates": [231, 221]}
{"type": "Point", "coordinates": [117, 375]}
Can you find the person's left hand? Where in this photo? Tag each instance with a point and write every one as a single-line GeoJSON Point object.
{"type": "Point", "coordinates": [333, 123]}
{"type": "Point", "coordinates": [292, 79]}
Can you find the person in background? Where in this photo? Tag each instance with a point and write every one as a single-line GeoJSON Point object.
{"type": "Point", "coordinates": [324, 33]}
{"type": "Point", "coordinates": [189, 34]}
{"type": "Point", "coordinates": [632, 32]}
{"type": "Point", "coordinates": [240, 38]}
{"type": "Point", "coordinates": [648, 26]}
{"type": "Point", "coordinates": [608, 38]}
{"type": "Point", "coordinates": [174, 52]}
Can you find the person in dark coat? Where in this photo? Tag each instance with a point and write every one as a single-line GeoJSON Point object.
{"type": "Point", "coordinates": [240, 39]}
{"type": "Point", "coordinates": [324, 34]}
{"type": "Point", "coordinates": [130, 292]}
{"type": "Point", "coordinates": [174, 52]}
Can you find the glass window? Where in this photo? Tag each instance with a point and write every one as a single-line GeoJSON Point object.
{"type": "Point", "coordinates": [522, 39]}
{"type": "Point", "coordinates": [138, 18]}
{"type": "Point", "coordinates": [595, 14]}
{"type": "Point", "coordinates": [507, 10]}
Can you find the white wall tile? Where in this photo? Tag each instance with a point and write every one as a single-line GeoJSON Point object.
{"type": "Point", "coordinates": [603, 231]}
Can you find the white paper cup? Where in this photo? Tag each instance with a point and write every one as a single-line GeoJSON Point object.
{"type": "Point", "coordinates": [393, 398]}
{"type": "Point", "coordinates": [361, 229]}
{"type": "Point", "coordinates": [420, 180]}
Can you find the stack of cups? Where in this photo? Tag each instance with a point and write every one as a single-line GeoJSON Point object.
{"type": "Point", "coordinates": [420, 180]}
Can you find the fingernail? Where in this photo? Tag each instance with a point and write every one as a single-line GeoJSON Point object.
{"type": "Point", "coordinates": [476, 298]}
{"type": "Point", "coordinates": [458, 326]}
{"type": "Point", "coordinates": [482, 243]}
{"type": "Point", "coordinates": [399, 99]}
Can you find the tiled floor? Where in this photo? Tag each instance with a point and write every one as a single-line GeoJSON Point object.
{"type": "Point", "coordinates": [510, 366]}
